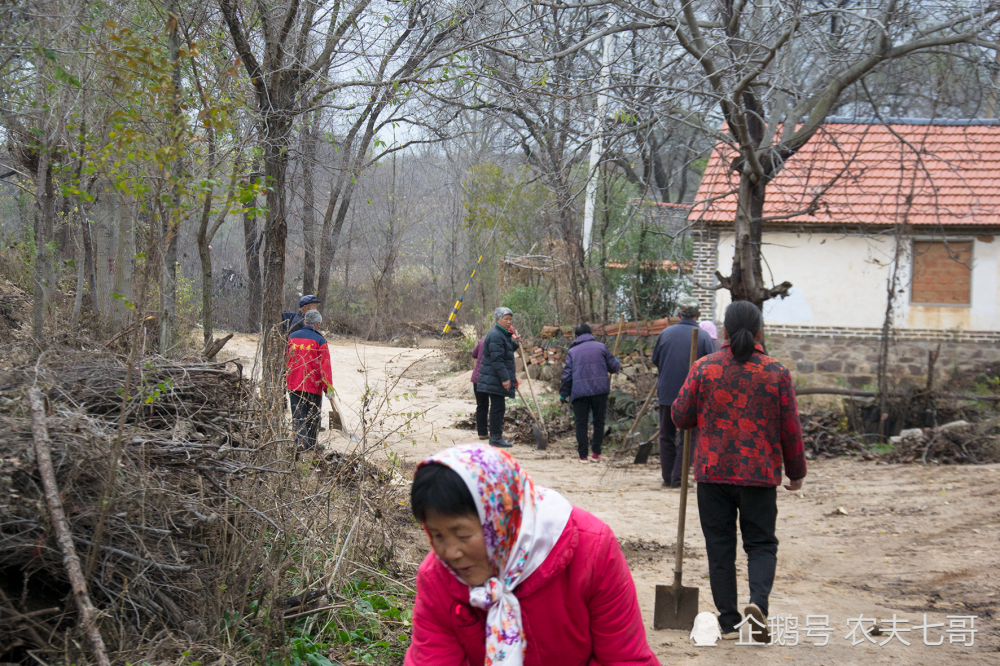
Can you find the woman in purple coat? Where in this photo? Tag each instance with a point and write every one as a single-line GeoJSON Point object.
{"type": "Point", "coordinates": [482, 399]}
{"type": "Point", "coordinates": [586, 384]}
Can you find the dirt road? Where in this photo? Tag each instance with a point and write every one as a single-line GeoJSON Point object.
{"type": "Point", "coordinates": [860, 539]}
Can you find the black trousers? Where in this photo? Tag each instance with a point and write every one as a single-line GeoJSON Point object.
{"type": "Point", "coordinates": [498, 406]}
{"type": "Point", "coordinates": [671, 450]}
{"type": "Point", "coordinates": [582, 408]}
{"type": "Point", "coordinates": [305, 417]}
{"type": "Point", "coordinates": [718, 505]}
{"type": "Point", "coordinates": [482, 412]}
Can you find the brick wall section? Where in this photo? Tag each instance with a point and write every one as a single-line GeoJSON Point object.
{"type": "Point", "coordinates": [940, 277]}
{"type": "Point", "coordinates": [852, 360]}
{"type": "Point", "coordinates": [706, 260]}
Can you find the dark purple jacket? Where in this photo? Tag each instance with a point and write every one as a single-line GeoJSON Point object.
{"type": "Point", "coordinates": [672, 354]}
{"type": "Point", "coordinates": [477, 353]}
{"type": "Point", "coordinates": [588, 363]}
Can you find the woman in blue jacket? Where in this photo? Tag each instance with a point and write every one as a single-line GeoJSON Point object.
{"type": "Point", "coordinates": [497, 377]}
{"type": "Point", "coordinates": [586, 384]}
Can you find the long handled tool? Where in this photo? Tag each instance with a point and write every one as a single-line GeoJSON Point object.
{"type": "Point", "coordinates": [541, 441]}
{"type": "Point", "coordinates": [618, 338]}
{"type": "Point", "coordinates": [642, 453]}
{"type": "Point", "coordinates": [677, 605]}
{"type": "Point", "coordinates": [540, 420]}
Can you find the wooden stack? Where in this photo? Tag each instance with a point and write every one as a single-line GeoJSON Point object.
{"type": "Point", "coordinates": [550, 356]}
{"type": "Point", "coordinates": [637, 363]}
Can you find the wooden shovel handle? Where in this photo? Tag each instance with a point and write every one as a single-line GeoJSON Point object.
{"type": "Point", "coordinates": [685, 461]}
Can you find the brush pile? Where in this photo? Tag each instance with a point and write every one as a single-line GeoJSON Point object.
{"type": "Point", "coordinates": [186, 518]}
{"type": "Point", "coordinates": [955, 443]}
{"type": "Point", "coordinates": [825, 435]}
{"type": "Point", "coordinates": [169, 495]}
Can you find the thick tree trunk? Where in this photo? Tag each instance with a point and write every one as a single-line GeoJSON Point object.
{"type": "Point", "coordinates": [746, 282]}
{"type": "Point", "coordinates": [277, 128]}
{"type": "Point", "coordinates": [309, 146]}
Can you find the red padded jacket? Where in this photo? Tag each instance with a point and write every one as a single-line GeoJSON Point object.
{"type": "Point", "coordinates": [747, 420]}
{"type": "Point", "coordinates": [579, 608]}
{"type": "Point", "coordinates": [308, 362]}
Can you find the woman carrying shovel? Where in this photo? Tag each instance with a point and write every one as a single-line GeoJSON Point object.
{"type": "Point", "coordinates": [743, 405]}
{"type": "Point", "coordinates": [496, 372]}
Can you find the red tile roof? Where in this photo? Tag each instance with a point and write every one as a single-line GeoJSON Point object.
{"type": "Point", "coordinates": [955, 180]}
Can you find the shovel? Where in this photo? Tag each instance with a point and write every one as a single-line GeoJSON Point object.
{"type": "Point", "coordinates": [540, 433]}
{"type": "Point", "coordinates": [676, 605]}
{"type": "Point", "coordinates": [541, 442]}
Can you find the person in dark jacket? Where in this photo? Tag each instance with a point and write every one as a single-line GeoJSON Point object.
{"type": "Point", "coordinates": [586, 384]}
{"type": "Point", "coordinates": [308, 377]}
{"type": "Point", "coordinates": [743, 404]}
{"type": "Point", "coordinates": [294, 321]}
{"type": "Point", "coordinates": [482, 399]}
{"type": "Point", "coordinates": [671, 355]}
{"type": "Point", "coordinates": [496, 372]}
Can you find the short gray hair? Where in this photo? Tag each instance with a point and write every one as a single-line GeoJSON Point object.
{"type": "Point", "coordinates": [313, 318]}
{"type": "Point", "coordinates": [501, 312]}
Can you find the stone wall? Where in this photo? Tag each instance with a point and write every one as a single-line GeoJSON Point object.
{"type": "Point", "coordinates": [848, 358]}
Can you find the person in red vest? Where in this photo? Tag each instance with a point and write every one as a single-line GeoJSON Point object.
{"type": "Point", "coordinates": [308, 377]}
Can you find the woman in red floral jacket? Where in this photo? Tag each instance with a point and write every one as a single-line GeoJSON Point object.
{"type": "Point", "coordinates": [743, 404]}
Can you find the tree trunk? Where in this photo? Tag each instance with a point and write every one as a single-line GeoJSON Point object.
{"type": "Point", "coordinates": [331, 237]}
{"type": "Point", "coordinates": [172, 221]}
{"type": "Point", "coordinates": [204, 255]}
{"type": "Point", "coordinates": [746, 282]}
{"type": "Point", "coordinates": [251, 251]}
{"type": "Point", "coordinates": [123, 269]}
{"type": "Point", "coordinates": [88, 261]}
{"type": "Point", "coordinates": [309, 149]}
{"type": "Point", "coordinates": [81, 280]}
{"type": "Point", "coordinates": [277, 127]}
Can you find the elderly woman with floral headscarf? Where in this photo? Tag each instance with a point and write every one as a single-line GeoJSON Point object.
{"type": "Point", "coordinates": [517, 575]}
{"type": "Point", "coordinates": [497, 377]}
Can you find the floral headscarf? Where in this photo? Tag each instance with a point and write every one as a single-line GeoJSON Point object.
{"type": "Point", "coordinates": [521, 524]}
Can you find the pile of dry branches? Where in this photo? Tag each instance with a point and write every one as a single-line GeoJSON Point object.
{"type": "Point", "coordinates": [192, 529]}
{"type": "Point", "coordinates": [972, 444]}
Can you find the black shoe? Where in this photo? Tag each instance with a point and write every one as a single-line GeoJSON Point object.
{"type": "Point", "coordinates": [759, 632]}
{"type": "Point", "coordinates": [499, 442]}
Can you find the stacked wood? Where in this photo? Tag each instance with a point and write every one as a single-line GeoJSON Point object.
{"type": "Point", "coordinates": [550, 356]}
{"type": "Point", "coordinates": [637, 362]}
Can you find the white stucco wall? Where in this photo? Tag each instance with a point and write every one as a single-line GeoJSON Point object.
{"type": "Point", "coordinates": [841, 280]}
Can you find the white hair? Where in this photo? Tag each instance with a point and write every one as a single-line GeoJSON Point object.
{"type": "Point", "coordinates": [313, 318]}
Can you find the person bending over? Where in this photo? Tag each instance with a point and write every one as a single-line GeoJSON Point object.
{"type": "Point", "coordinates": [517, 575]}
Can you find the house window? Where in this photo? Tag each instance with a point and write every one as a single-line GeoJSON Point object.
{"type": "Point", "coordinates": [942, 273]}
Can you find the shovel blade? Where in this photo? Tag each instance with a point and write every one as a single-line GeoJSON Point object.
{"type": "Point", "coordinates": [675, 608]}
{"type": "Point", "coordinates": [642, 454]}
{"type": "Point", "coordinates": [541, 441]}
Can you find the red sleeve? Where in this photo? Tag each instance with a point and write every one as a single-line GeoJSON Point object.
{"type": "Point", "coordinates": [326, 370]}
{"type": "Point", "coordinates": [792, 449]}
{"type": "Point", "coordinates": [684, 411]}
{"type": "Point", "coordinates": [617, 633]}
{"type": "Point", "coordinates": [433, 641]}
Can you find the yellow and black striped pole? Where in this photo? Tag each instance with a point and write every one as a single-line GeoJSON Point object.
{"type": "Point", "coordinates": [458, 303]}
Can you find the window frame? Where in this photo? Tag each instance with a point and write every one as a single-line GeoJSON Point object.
{"type": "Point", "coordinates": [949, 240]}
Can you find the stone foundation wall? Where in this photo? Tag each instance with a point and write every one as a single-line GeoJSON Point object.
{"type": "Point", "coordinates": [849, 358]}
